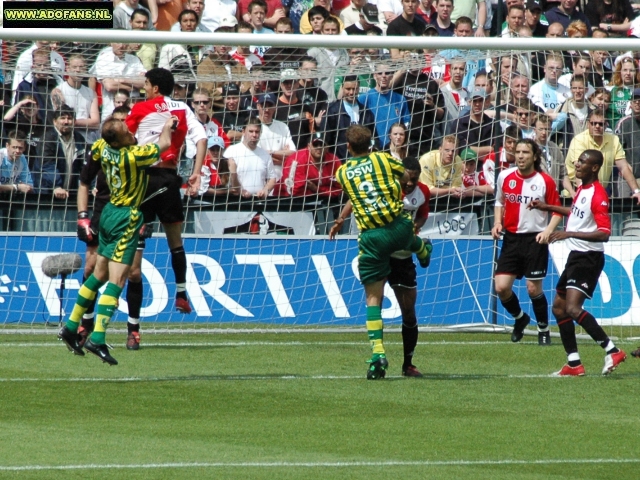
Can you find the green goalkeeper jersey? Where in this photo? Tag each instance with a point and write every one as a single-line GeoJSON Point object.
{"type": "Point", "coordinates": [124, 169]}
{"type": "Point", "coordinates": [372, 183]}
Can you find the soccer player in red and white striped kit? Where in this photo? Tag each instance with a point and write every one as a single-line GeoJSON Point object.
{"type": "Point", "coordinates": [163, 197]}
{"type": "Point", "coordinates": [525, 249]}
{"type": "Point", "coordinates": [588, 227]}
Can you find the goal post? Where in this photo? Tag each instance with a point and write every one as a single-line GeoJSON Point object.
{"type": "Point", "coordinates": [267, 264]}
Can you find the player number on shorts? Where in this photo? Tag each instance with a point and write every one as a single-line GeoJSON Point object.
{"type": "Point", "coordinates": [369, 191]}
{"type": "Point", "coordinates": [115, 180]}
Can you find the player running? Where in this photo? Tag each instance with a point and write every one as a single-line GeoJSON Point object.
{"type": "Point", "coordinates": [525, 249]}
{"type": "Point", "coordinates": [163, 195]}
{"type": "Point", "coordinates": [124, 165]}
{"type": "Point", "coordinates": [588, 228]}
{"type": "Point", "coordinates": [372, 182]}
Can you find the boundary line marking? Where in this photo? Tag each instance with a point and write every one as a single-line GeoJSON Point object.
{"type": "Point", "coordinates": [345, 464]}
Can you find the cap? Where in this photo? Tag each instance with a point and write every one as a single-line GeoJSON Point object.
{"type": "Point", "coordinates": [181, 84]}
{"type": "Point", "coordinates": [289, 74]}
{"type": "Point", "coordinates": [228, 21]}
{"type": "Point", "coordinates": [468, 154]}
{"type": "Point", "coordinates": [266, 98]}
{"type": "Point", "coordinates": [317, 138]}
{"type": "Point", "coordinates": [231, 90]}
{"type": "Point", "coordinates": [370, 13]}
{"type": "Point", "coordinates": [430, 28]}
{"type": "Point", "coordinates": [533, 5]}
{"type": "Point", "coordinates": [479, 92]}
{"type": "Point", "coordinates": [215, 141]}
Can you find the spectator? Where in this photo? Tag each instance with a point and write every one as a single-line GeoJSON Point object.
{"type": "Point", "coordinates": [397, 146]}
{"type": "Point", "coordinates": [524, 117]}
{"type": "Point", "coordinates": [548, 94]}
{"type": "Point", "coordinates": [368, 19]}
{"type": "Point", "coordinates": [473, 181]}
{"type": "Point", "coordinates": [582, 67]}
{"type": "Point", "coordinates": [82, 99]}
{"type": "Point", "coordinates": [515, 19]}
{"type": "Point", "coordinates": [387, 106]}
{"type": "Point", "coordinates": [565, 13]}
{"type": "Point", "coordinates": [390, 9]}
{"type": "Point", "coordinates": [232, 117]}
{"type": "Point", "coordinates": [442, 21]}
{"type": "Point", "coordinates": [215, 169]}
{"type": "Point", "coordinates": [39, 84]}
{"type": "Point", "coordinates": [317, 15]}
{"type": "Point", "coordinates": [539, 57]}
{"type": "Point", "coordinates": [506, 155]}
{"type": "Point", "coordinates": [122, 14]}
{"type": "Point", "coordinates": [533, 19]}
{"type": "Point", "coordinates": [624, 82]}
{"type": "Point", "coordinates": [305, 21]}
{"type": "Point", "coordinates": [329, 60]}
{"type": "Point", "coordinates": [196, 6]}
{"type": "Point", "coordinates": [311, 172]}
{"type": "Point", "coordinates": [181, 60]}
{"type": "Point", "coordinates": [63, 154]}
{"type": "Point", "coordinates": [289, 108]}
{"type": "Point", "coordinates": [243, 54]}
{"type": "Point", "coordinates": [146, 52]}
{"type": "Point", "coordinates": [595, 138]}
{"type": "Point", "coordinates": [614, 16]}
{"type": "Point", "coordinates": [406, 24]}
{"type": "Point", "coordinates": [343, 113]}
{"type": "Point", "coordinates": [24, 64]}
{"type": "Point", "coordinates": [24, 117]}
{"type": "Point", "coordinates": [354, 12]}
{"type": "Point", "coordinates": [275, 136]}
{"type": "Point", "coordinates": [14, 168]}
{"type": "Point", "coordinates": [426, 11]}
{"type": "Point", "coordinates": [475, 58]}
{"type": "Point", "coordinates": [601, 100]}
{"type": "Point", "coordinates": [295, 9]}
{"type": "Point", "coordinates": [117, 71]}
{"type": "Point", "coordinates": [476, 130]}
{"type": "Point", "coordinates": [552, 156]}
{"type": "Point", "coordinates": [441, 170]}
{"type": "Point", "coordinates": [250, 167]}
{"type": "Point", "coordinates": [257, 13]}
{"type": "Point", "coordinates": [575, 111]}
{"type": "Point", "coordinates": [426, 105]}
{"type": "Point", "coordinates": [455, 95]}
{"type": "Point", "coordinates": [201, 105]}
{"type": "Point", "coordinates": [629, 134]}
{"type": "Point", "coordinates": [506, 69]}
{"type": "Point", "coordinates": [218, 13]}
{"type": "Point", "coordinates": [273, 14]}
{"type": "Point", "coordinates": [476, 10]}
{"type": "Point", "coordinates": [360, 64]}
{"type": "Point", "coordinates": [280, 58]}
{"type": "Point", "coordinates": [600, 71]}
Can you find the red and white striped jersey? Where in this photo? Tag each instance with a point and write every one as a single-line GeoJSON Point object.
{"type": "Point", "coordinates": [514, 192]}
{"type": "Point", "coordinates": [146, 120]}
{"type": "Point", "coordinates": [589, 213]}
{"type": "Point", "coordinates": [417, 204]}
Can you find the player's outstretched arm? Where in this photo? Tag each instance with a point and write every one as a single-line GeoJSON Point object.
{"type": "Point", "coordinates": [337, 224]}
{"type": "Point", "coordinates": [195, 179]}
{"type": "Point", "coordinates": [540, 205]}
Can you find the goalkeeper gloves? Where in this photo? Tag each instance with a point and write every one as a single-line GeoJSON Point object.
{"type": "Point", "coordinates": [146, 231]}
{"type": "Point", "coordinates": [85, 233]}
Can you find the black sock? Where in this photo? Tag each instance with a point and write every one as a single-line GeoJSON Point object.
{"type": "Point", "coordinates": [409, 342]}
{"type": "Point", "coordinates": [134, 298]}
{"type": "Point", "coordinates": [595, 331]}
{"type": "Point", "coordinates": [541, 311]}
{"type": "Point", "coordinates": [179, 265]}
{"type": "Point", "coordinates": [512, 305]}
{"type": "Point", "coordinates": [568, 336]}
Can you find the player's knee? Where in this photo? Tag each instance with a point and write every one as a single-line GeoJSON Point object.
{"type": "Point", "coordinates": [409, 320]}
{"type": "Point", "coordinates": [503, 291]}
{"type": "Point", "coordinates": [135, 275]}
{"type": "Point", "coordinates": [573, 310]}
{"type": "Point", "coordinates": [534, 290]}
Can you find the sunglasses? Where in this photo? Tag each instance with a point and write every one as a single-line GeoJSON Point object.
{"type": "Point", "coordinates": [201, 102]}
{"type": "Point", "coordinates": [596, 124]}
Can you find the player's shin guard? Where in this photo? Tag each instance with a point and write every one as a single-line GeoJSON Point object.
{"type": "Point", "coordinates": [179, 265]}
{"type": "Point", "coordinates": [512, 305]}
{"type": "Point", "coordinates": [409, 341]}
{"type": "Point", "coordinates": [374, 330]}
{"type": "Point", "coordinates": [107, 305]}
{"type": "Point", "coordinates": [134, 301]}
{"type": "Point", "coordinates": [541, 311]}
{"type": "Point", "coordinates": [595, 331]}
{"type": "Point", "coordinates": [568, 335]}
{"type": "Point", "coordinates": [86, 296]}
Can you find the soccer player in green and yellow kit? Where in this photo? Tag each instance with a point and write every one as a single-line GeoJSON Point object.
{"type": "Point", "coordinates": [372, 182]}
{"type": "Point", "coordinates": [124, 164]}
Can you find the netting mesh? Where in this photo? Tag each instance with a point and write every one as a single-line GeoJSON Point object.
{"type": "Point", "coordinates": [256, 262]}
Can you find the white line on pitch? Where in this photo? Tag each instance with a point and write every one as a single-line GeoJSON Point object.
{"type": "Point", "coordinates": [346, 464]}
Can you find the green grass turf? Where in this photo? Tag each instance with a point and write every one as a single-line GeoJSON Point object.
{"type": "Point", "coordinates": [259, 407]}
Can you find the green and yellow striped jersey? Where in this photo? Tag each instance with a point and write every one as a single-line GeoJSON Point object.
{"type": "Point", "coordinates": [124, 169]}
{"type": "Point", "coordinates": [373, 185]}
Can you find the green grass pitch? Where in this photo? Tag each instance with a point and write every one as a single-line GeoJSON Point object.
{"type": "Point", "coordinates": [297, 406]}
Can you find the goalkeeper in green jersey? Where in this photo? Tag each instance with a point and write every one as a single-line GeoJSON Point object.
{"type": "Point", "coordinates": [124, 164]}
{"type": "Point", "coordinates": [372, 182]}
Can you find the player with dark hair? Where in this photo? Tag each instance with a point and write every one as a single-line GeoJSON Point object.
{"type": "Point", "coordinates": [88, 229]}
{"type": "Point", "coordinates": [588, 228]}
{"type": "Point", "coordinates": [125, 166]}
{"type": "Point", "coordinates": [163, 195]}
{"type": "Point", "coordinates": [525, 249]}
{"type": "Point", "coordinates": [372, 182]}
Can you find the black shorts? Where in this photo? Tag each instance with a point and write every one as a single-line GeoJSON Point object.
{"type": "Point", "coordinates": [98, 206]}
{"type": "Point", "coordinates": [581, 272]}
{"type": "Point", "coordinates": [403, 272]}
{"type": "Point", "coordinates": [167, 205]}
{"type": "Point", "coordinates": [522, 256]}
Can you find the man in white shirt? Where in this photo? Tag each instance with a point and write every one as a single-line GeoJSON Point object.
{"type": "Point", "coordinates": [250, 167]}
{"type": "Point", "coordinates": [276, 137]}
{"type": "Point", "coordinates": [548, 94]}
{"type": "Point", "coordinates": [25, 62]}
{"type": "Point", "coordinates": [117, 70]}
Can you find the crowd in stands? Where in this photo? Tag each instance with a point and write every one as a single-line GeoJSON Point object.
{"type": "Point", "coordinates": [276, 117]}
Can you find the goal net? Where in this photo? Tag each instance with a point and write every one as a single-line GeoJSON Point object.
{"type": "Point", "coordinates": [267, 263]}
